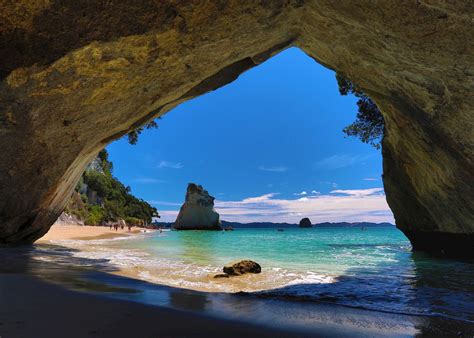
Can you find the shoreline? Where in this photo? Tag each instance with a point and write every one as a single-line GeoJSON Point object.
{"type": "Point", "coordinates": [82, 239]}
{"type": "Point", "coordinates": [103, 305]}
{"type": "Point", "coordinates": [75, 290]}
{"type": "Point", "coordinates": [61, 231]}
{"type": "Point", "coordinates": [78, 314]}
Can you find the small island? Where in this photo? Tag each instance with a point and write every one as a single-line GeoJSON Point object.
{"type": "Point", "coordinates": [305, 223]}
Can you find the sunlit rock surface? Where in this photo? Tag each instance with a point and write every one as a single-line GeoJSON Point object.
{"type": "Point", "coordinates": [76, 75]}
{"type": "Point", "coordinates": [197, 212]}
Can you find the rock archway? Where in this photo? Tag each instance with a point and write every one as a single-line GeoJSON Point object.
{"type": "Point", "coordinates": [77, 75]}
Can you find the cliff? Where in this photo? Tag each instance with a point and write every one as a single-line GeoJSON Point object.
{"type": "Point", "coordinates": [76, 75]}
{"type": "Point", "coordinates": [100, 198]}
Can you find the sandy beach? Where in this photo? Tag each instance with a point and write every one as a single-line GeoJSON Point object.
{"type": "Point", "coordinates": [30, 303]}
{"type": "Point", "coordinates": [85, 232]}
{"type": "Point", "coordinates": [30, 307]}
{"type": "Point", "coordinates": [45, 291]}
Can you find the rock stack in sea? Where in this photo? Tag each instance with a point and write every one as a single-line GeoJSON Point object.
{"type": "Point", "coordinates": [197, 212]}
{"type": "Point", "coordinates": [305, 223]}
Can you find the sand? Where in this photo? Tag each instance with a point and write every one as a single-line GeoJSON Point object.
{"type": "Point", "coordinates": [30, 307]}
{"type": "Point", "coordinates": [85, 232]}
{"type": "Point", "coordinates": [33, 304]}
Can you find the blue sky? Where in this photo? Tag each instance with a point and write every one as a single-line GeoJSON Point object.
{"type": "Point", "coordinates": [268, 146]}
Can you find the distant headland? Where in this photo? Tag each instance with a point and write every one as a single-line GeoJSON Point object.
{"type": "Point", "coordinates": [264, 225]}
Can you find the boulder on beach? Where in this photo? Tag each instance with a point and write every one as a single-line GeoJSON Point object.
{"type": "Point", "coordinates": [197, 212]}
{"type": "Point", "coordinates": [242, 267]}
{"type": "Point", "coordinates": [305, 223]}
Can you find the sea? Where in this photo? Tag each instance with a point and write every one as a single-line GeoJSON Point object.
{"type": "Point", "coordinates": [369, 268]}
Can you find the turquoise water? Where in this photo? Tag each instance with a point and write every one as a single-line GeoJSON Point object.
{"type": "Point", "coordinates": [371, 269]}
{"type": "Point", "coordinates": [324, 250]}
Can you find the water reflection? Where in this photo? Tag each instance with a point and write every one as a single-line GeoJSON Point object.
{"type": "Point", "coordinates": [423, 284]}
{"type": "Point", "coordinates": [188, 300]}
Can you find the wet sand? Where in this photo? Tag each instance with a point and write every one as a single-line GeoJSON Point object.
{"type": "Point", "coordinates": [42, 298]}
{"type": "Point", "coordinates": [30, 307]}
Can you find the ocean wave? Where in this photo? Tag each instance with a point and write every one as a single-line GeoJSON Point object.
{"type": "Point", "coordinates": [379, 277]}
{"type": "Point", "coordinates": [423, 301]}
{"type": "Point", "coordinates": [369, 292]}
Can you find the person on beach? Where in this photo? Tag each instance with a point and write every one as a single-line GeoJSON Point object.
{"type": "Point", "coordinates": [129, 228]}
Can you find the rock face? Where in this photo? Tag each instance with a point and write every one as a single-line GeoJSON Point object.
{"type": "Point", "coordinates": [242, 267]}
{"type": "Point", "coordinates": [305, 223]}
{"type": "Point", "coordinates": [75, 76]}
{"type": "Point", "coordinates": [68, 219]}
{"type": "Point", "coordinates": [197, 212]}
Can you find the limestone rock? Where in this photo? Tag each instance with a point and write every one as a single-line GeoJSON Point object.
{"type": "Point", "coordinates": [220, 275]}
{"type": "Point", "coordinates": [76, 75]}
{"type": "Point", "coordinates": [305, 223]}
{"type": "Point", "coordinates": [242, 267]}
{"type": "Point", "coordinates": [68, 219]}
{"type": "Point", "coordinates": [197, 212]}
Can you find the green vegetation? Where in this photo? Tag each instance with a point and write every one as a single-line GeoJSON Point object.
{"type": "Point", "coordinates": [100, 197]}
{"type": "Point", "coordinates": [133, 135]}
{"type": "Point", "coordinates": [369, 124]}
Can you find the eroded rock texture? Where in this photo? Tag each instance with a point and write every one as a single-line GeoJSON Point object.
{"type": "Point", "coordinates": [197, 211]}
{"type": "Point", "coordinates": [76, 75]}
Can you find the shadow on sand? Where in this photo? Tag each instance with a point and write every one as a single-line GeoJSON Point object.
{"type": "Point", "coordinates": [423, 291]}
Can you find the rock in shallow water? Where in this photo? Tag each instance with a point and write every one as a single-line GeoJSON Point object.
{"type": "Point", "coordinates": [242, 267]}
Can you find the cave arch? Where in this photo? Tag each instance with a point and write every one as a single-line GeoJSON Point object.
{"type": "Point", "coordinates": [76, 76]}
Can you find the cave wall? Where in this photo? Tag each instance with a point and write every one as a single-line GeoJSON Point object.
{"type": "Point", "coordinates": [77, 75]}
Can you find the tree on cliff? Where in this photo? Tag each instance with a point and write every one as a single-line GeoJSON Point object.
{"type": "Point", "coordinates": [109, 199]}
{"type": "Point", "coordinates": [133, 135]}
{"type": "Point", "coordinates": [369, 124]}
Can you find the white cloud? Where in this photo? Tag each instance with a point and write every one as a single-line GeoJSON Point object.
{"type": "Point", "coordinates": [172, 165]}
{"type": "Point", "coordinates": [358, 192]}
{"type": "Point", "coordinates": [339, 205]}
{"type": "Point", "coordinates": [342, 161]}
{"type": "Point", "coordinates": [314, 192]}
{"type": "Point", "coordinates": [353, 205]}
{"type": "Point", "coordinates": [300, 193]}
{"type": "Point", "coordinates": [168, 215]}
{"type": "Point", "coordinates": [278, 169]}
{"type": "Point", "coordinates": [259, 198]}
{"type": "Point", "coordinates": [148, 180]}
{"type": "Point", "coordinates": [371, 179]}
